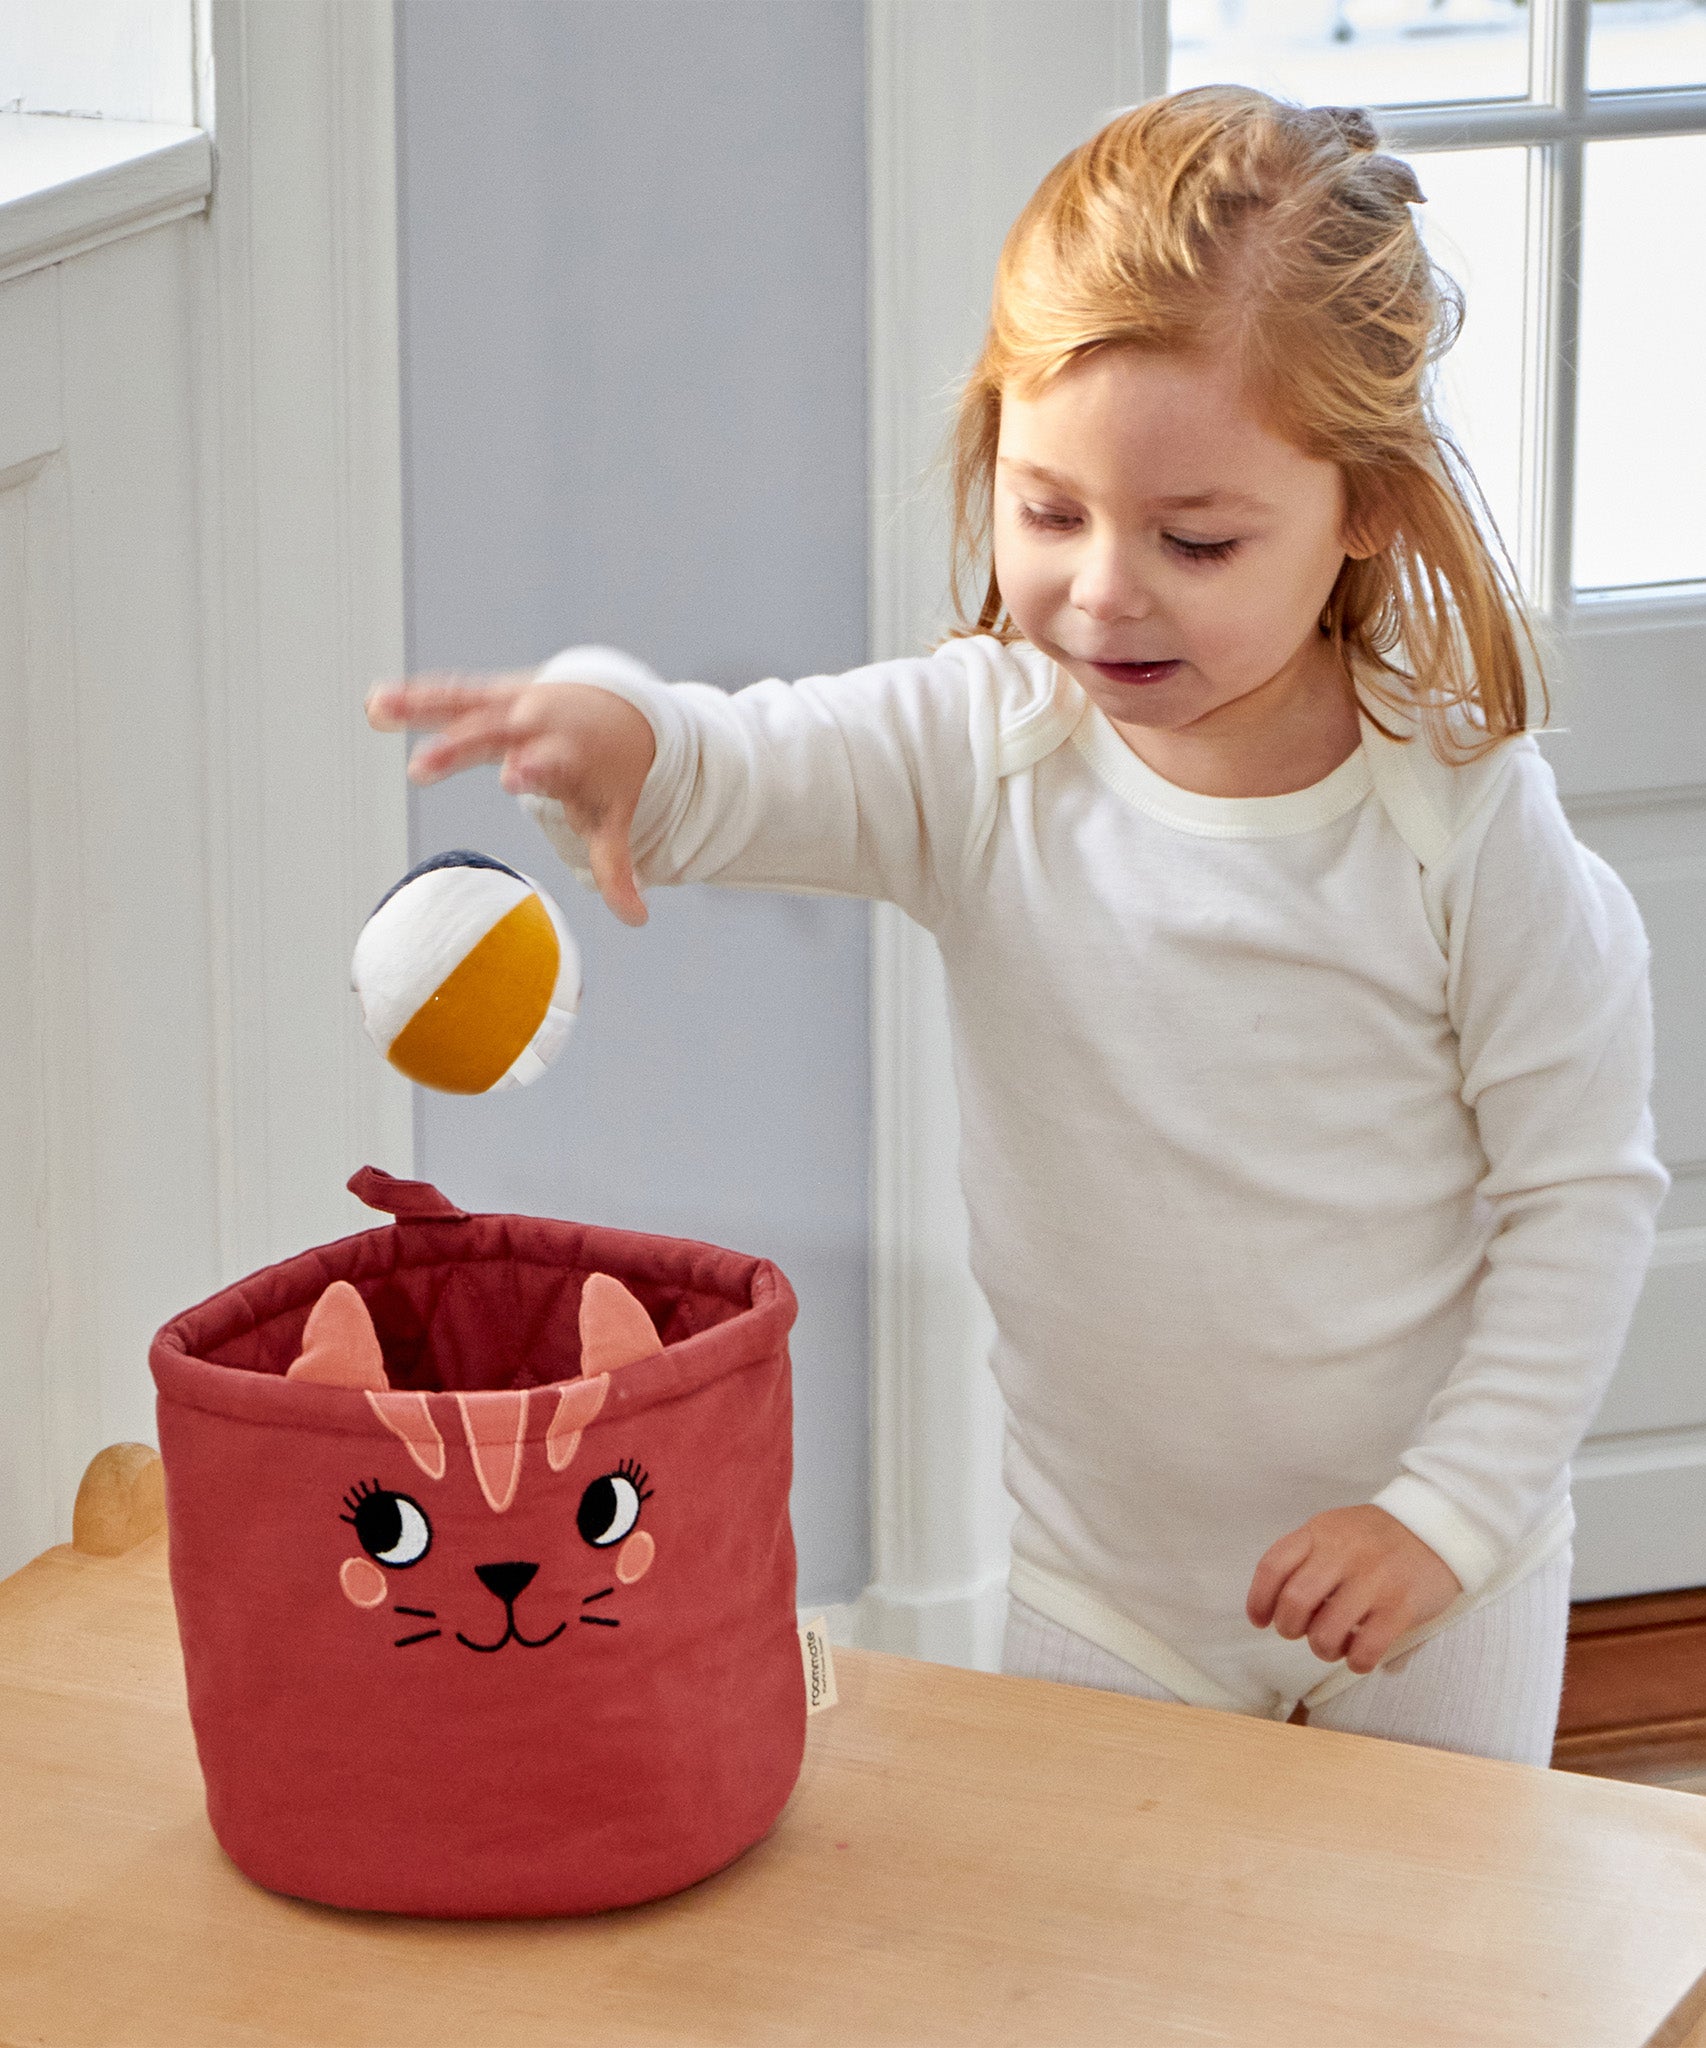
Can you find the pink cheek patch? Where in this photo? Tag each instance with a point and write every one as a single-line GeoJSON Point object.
{"type": "Point", "coordinates": [634, 1559]}
{"type": "Point", "coordinates": [363, 1582]}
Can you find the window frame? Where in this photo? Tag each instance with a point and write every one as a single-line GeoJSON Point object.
{"type": "Point", "coordinates": [1554, 123]}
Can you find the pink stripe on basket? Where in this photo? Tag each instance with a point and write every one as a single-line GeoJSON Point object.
{"type": "Point", "coordinates": [577, 1404]}
{"type": "Point", "coordinates": [496, 1427]}
{"type": "Point", "coordinates": [408, 1416]}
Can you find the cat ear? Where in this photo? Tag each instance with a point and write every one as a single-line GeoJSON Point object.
{"type": "Point", "coordinates": [615, 1329]}
{"type": "Point", "coordinates": [339, 1346]}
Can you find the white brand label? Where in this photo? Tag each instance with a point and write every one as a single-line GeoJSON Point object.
{"type": "Point", "coordinates": [820, 1666]}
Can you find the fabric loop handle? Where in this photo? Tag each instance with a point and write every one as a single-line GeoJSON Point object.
{"type": "Point", "coordinates": [406, 1201]}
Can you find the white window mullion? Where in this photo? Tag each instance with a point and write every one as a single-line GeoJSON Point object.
{"type": "Point", "coordinates": [1557, 295]}
{"type": "Point", "coordinates": [1558, 56]}
{"type": "Point", "coordinates": [1533, 539]}
{"type": "Point", "coordinates": [1565, 58]}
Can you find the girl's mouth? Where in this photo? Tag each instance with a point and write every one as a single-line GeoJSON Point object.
{"type": "Point", "coordinates": [1135, 671]}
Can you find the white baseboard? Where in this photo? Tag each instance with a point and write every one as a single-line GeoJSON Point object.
{"type": "Point", "coordinates": [956, 1625]}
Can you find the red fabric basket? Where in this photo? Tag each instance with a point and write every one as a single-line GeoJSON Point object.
{"type": "Point", "coordinates": [521, 1722]}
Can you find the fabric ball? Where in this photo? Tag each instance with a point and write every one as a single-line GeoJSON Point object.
{"type": "Point", "coordinates": [467, 975]}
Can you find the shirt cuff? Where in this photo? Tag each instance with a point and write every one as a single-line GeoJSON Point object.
{"type": "Point", "coordinates": [608, 668]}
{"type": "Point", "coordinates": [1443, 1527]}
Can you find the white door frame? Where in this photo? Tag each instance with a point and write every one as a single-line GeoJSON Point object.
{"type": "Point", "coordinates": [303, 581]}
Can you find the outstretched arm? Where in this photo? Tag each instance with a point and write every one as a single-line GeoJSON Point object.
{"type": "Point", "coordinates": [881, 782]}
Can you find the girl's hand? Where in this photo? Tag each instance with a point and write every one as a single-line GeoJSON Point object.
{"type": "Point", "coordinates": [587, 747]}
{"type": "Point", "coordinates": [1353, 1580]}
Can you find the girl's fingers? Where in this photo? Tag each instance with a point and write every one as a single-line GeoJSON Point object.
{"type": "Point", "coordinates": [432, 764]}
{"type": "Point", "coordinates": [425, 701]}
{"type": "Point", "coordinates": [1375, 1636]}
{"type": "Point", "coordinates": [1302, 1596]}
{"type": "Point", "coordinates": [486, 734]}
{"type": "Point", "coordinates": [1337, 1622]}
{"type": "Point", "coordinates": [1276, 1567]}
{"type": "Point", "coordinates": [547, 765]}
{"type": "Point", "coordinates": [544, 765]}
{"type": "Point", "coordinates": [613, 870]}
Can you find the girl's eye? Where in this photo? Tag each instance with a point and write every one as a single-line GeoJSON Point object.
{"type": "Point", "coordinates": [1046, 522]}
{"type": "Point", "coordinates": [1200, 550]}
{"type": "Point", "coordinates": [390, 1527]}
{"type": "Point", "coordinates": [611, 1506]}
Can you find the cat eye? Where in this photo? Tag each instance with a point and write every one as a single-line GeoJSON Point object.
{"type": "Point", "coordinates": [390, 1527]}
{"type": "Point", "coordinates": [611, 1506]}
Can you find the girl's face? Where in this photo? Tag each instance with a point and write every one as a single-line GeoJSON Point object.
{"type": "Point", "coordinates": [1170, 551]}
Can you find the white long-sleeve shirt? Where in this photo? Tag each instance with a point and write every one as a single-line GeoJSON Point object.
{"type": "Point", "coordinates": [1305, 1138]}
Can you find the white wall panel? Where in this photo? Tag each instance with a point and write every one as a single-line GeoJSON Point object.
{"type": "Point", "coordinates": [200, 557]}
{"type": "Point", "coordinates": [135, 804]}
{"type": "Point", "coordinates": [1640, 1515]}
{"type": "Point", "coordinates": [106, 1106]}
{"type": "Point", "coordinates": [24, 1490]}
{"type": "Point", "coordinates": [1658, 1385]}
{"type": "Point", "coordinates": [29, 349]}
{"type": "Point", "coordinates": [1658, 845]}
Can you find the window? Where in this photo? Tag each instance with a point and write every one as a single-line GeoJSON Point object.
{"type": "Point", "coordinates": [1562, 146]}
{"type": "Point", "coordinates": [114, 60]}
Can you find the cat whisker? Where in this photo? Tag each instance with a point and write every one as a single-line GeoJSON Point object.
{"type": "Point", "coordinates": [601, 1621]}
{"type": "Point", "coordinates": [426, 1635]}
{"type": "Point", "coordinates": [603, 1593]}
{"type": "Point", "coordinates": [423, 1613]}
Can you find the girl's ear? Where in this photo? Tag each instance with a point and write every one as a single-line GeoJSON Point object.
{"type": "Point", "coordinates": [339, 1347]}
{"type": "Point", "coordinates": [1370, 525]}
{"type": "Point", "coordinates": [615, 1329]}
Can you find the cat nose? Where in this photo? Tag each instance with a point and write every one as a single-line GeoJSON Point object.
{"type": "Point", "coordinates": [507, 1581]}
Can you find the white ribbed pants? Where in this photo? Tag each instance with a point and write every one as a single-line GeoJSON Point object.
{"type": "Point", "coordinates": [1487, 1686]}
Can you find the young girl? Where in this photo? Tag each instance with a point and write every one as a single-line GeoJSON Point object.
{"type": "Point", "coordinates": [1303, 1054]}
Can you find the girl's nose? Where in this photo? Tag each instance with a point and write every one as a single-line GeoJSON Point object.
{"type": "Point", "coordinates": [1108, 590]}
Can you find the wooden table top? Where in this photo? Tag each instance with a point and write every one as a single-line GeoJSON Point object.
{"type": "Point", "coordinates": [966, 1859]}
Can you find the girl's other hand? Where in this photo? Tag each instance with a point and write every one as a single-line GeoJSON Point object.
{"type": "Point", "coordinates": [1353, 1580]}
{"type": "Point", "coordinates": [587, 747]}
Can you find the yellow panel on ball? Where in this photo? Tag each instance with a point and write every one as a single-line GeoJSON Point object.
{"type": "Point", "coordinates": [465, 1037]}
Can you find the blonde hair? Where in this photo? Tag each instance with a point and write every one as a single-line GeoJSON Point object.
{"type": "Point", "coordinates": [1223, 219]}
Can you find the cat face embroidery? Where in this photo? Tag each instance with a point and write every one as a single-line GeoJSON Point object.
{"type": "Point", "coordinates": [392, 1530]}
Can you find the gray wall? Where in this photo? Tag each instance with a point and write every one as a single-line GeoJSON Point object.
{"type": "Point", "coordinates": [633, 261]}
